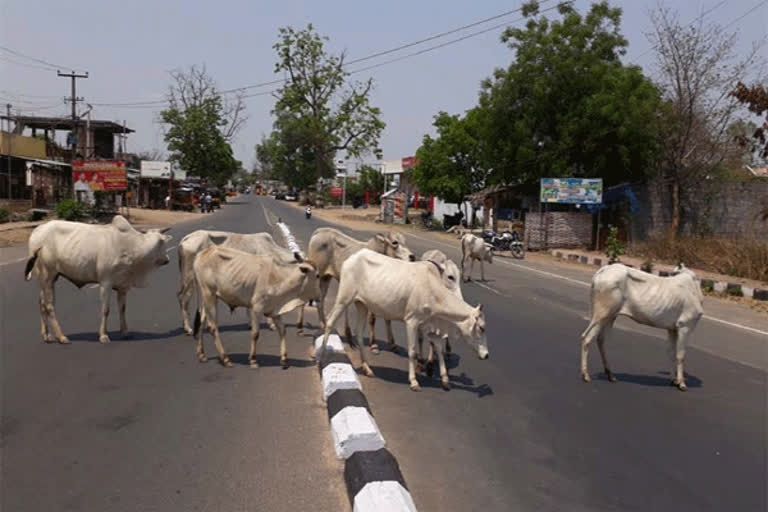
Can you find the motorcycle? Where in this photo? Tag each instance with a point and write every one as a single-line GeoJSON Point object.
{"type": "Point", "coordinates": [308, 212]}
{"type": "Point", "coordinates": [506, 241]}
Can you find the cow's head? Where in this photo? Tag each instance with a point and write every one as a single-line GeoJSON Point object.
{"type": "Point", "coordinates": [488, 252]}
{"type": "Point", "coordinates": [156, 240]}
{"type": "Point", "coordinates": [310, 289]}
{"type": "Point", "coordinates": [393, 244]}
{"type": "Point", "coordinates": [477, 333]}
{"type": "Point", "coordinates": [450, 275]}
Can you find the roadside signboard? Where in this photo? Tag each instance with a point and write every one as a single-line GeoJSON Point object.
{"type": "Point", "coordinates": [152, 169]}
{"type": "Point", "coordinates": [94, 175]}
{"type": "Point", "coordinates": [572, 190]}
{"type": "Point", "coordinates": [336, 191]}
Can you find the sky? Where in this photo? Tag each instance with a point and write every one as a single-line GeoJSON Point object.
{"type": "Point", "coordinates": [129, 48]}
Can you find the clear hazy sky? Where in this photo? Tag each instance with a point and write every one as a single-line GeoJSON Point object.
{"type": "Point", "coordinates": [129, 47]}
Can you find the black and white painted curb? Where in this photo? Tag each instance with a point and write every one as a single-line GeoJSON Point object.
{"type": "Point", "coordinates": [735, 289]}
{"type": "Point", "coordinates": [372, 475]}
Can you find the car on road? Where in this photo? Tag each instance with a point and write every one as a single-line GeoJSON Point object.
{"type": "Point", "coordinates": [290, 196]}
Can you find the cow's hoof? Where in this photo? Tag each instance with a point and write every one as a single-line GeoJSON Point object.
{"type": "Point", "coordinates": [188, 331]}
{"type": "Point", "coordinates": [367, 371]}
{"type": "Point", "coordinates": [682, 387]}
{"type": "Point", "coordinates": [48, 339]}
{"type": "Point", "coordinates": [254, 364]}
{"type": "Point", "coordinates": [202, 358]}
{"type": "Point", "coordinates": [375, 349]}
{"type": "Point", "coordinates": [415, 386]}
{"type": "Point", "coordinates": [104, 339]}
{"type": "Point", "coordinates": [611, 376]}
{"type": "Point", "coordinates": [284, 363]}
{"type": "Point", "coordinates": [585, 377]}
{"type": "Point", "coordinates": [226, 363]}
{"type": "Point", "coordinates": [65, 341]}
{"type": "Point", "coordinates": [446, 385]}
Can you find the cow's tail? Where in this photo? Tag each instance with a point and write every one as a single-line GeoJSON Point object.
{"type": "Point", "coordinates": [30, 265]}
{"type": "Point", "coordinates": [196, 328]}
{"type": "Point", "coordinates": [288, 241]}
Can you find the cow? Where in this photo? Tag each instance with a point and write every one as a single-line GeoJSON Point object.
{"type": "Point", "coordinates": [192, 244]}
{"type": "Point", "coordinates": [265, 285]}
{"type": "Point", "coordinates": [413, 293]}
{"type": "Point", "coordinates": [451, 277]}
{"type": "Point", "coordinates": [329, 248]}
{"type": "Point", "coordinates": [115, 255]}
{"type": "Point", "coordinates": [673, 303]}
{"type": "Point", "coordinates": [474, 248]}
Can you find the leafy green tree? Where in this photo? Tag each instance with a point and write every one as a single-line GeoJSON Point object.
{"type": "Point", "coordinates": [201, 124]}
{"type": "Point", "coordinates": [319, 111]}
{"type": "Point", "coordinates": [371, 179]}
{"type": "Point", "coordinates": [450, 165]}
{"type": "Point", "coordinates": [567, 105]}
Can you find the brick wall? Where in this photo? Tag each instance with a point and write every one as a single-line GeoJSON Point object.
{"type": "Point", "coordinates": [711, 208]}
{"type": "Point", "coordinates": [558, 229]}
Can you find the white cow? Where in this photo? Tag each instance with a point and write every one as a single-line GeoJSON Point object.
{"type": "Point", "coordinates": [474, 248]}
{"type": "Point", "coordinates": [413, 293]}
{"type": "Point", "coordinates": [672, 303]}
{"type": "Point", "coordinates": [115, 255]}
{"type": "Point", "coordinates": [329, 248]}
{"type": "Point", "coordinates": [192, 244]}
{"type": "Point", "coordinates": [263, 284]}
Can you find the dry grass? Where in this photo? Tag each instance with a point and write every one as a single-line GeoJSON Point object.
{"type": "Point", "coordinates": [747, 258]}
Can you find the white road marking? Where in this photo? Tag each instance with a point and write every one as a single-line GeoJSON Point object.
{"type": "Point", "coordinates": [12, 262]}
{"type": "Point", "coordinates": [583, 283]}
{"type": "Point", "coordinates": [497, 292]}
{"type": "Point", "coordinates": [170, 249]}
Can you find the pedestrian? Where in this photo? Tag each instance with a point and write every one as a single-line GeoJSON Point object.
{"type": "Point", "coordinates": [167, 201]}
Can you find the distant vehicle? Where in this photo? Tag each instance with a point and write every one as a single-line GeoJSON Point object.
{"type": "Point", "coordinates": [183, 199]}
{"type": "Point", "coordinates": [279, 195]}
{"type": "Point", "coordinates": [290, 196]}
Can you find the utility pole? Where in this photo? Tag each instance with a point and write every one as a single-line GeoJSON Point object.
{"type": "Point", "coordinates": [10, 137]}
{"type": "Point", "coordinates": [170, 188]}
{"type": "Point", "coordinates": [74, 76]}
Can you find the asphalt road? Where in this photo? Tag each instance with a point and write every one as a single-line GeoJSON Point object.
{"type": "Point", "coordinates": [520, 431]}
{"type": "Point", "coordinates": [140, 425]}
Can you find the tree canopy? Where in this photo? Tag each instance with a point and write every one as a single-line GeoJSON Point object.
{"type": "Point", "coordinates": [200, 126]}
{"type": "Point", "coordinates": [319, 111]}
{"type": "Point", "coordinates": [567, 105]}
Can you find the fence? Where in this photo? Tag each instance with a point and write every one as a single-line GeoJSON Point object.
{"type": "Point", "coordinates": [558, 229]}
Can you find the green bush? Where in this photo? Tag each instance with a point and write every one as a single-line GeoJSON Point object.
{"type": "Point", "coordinates": [69, 209]}
{"type": "Point", "coordinates": [647, 266]}
{"type": "Point", "coordinates": [613, 246]}
{"type": "Point", "coordinates": [4, 215]}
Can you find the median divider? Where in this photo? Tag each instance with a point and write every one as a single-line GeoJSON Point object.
{"type": "Point", "coordinates": [371, 473]}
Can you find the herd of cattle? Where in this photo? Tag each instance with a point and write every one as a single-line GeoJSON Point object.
{"type": "Point", "coordinates": [380, 277]}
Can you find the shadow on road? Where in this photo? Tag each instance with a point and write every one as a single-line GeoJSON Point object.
{"type": "Point", "coordinates": [458, 382]}
{"type": "Point", "coordinates": [652, 380]}
{"type": "Point", "coordinates": [267, 360]}
{"type": "Point", "coordinates": [128, 337]}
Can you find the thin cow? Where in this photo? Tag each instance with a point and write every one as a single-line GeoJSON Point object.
{"type": "Point", "coordinates": [673, 303]}
{"type": "Point", "coordinates": [407, 292]}
{"type": "Point", "coordinates": [115, 255]}
{"type": "Point", "coordinates": [263, 284]}
{"type": "Point", "coordinates": [194, 243]}
{"type": "Point", "coordinates": [474, 248]}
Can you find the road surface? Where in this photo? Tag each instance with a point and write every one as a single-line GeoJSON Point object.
{"type": "Point", "coordinates": [140, 425]}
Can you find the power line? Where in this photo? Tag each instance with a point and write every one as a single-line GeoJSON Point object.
{"type": "Point", "coordinates": [23, 64]}
{"type": "Point", "coordinates": [34, 59]}
{"type": "Point", "coordinates": [362, 59]}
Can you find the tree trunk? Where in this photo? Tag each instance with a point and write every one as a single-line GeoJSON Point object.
{"type": "Point", "coordinates": [675, 227]}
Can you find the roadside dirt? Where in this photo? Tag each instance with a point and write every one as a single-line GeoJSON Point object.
{"type": "Point", "coordinates": [16, 233]}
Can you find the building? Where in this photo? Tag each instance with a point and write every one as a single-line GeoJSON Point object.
{"type": "Point", "coordinates": [37, 168]}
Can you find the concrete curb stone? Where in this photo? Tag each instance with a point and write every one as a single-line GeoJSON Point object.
{"type": "Point", "coordinates": [371, 473]}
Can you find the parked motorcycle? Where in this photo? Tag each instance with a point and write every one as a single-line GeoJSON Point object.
{"type": "Point", "coordinates": [506, 241]}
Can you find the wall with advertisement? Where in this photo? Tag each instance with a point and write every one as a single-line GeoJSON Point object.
{"type": "Point", "coordinates": [104, 175]}
{"type": "Point", "coordinates": [572, 190]}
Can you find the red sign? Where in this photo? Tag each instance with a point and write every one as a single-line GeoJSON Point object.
{"type": "Point", "coordinates": [93, 175]}
{"type": "Point", "coordinates": [336, 191]}
{"type": "Point", "coordinates": [408, 162]}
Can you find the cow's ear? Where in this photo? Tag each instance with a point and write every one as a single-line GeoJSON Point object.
{"type": "Point", "coordinates": [480, 307]}
{"type": "Point", "coordinates": [217, 239]}
{"type": "Point", "coordinates": [305, 268]}
{"type": "Point", "coordinates": [440, 268]}
{"type": "Point", "coordinates": [297, 257]}
{"type": "Point", "coordinates": [167, 238]}
{"type": "Point", "coordinates": [164, 230]}
{"type": "Point", "coordinates": [142, 230]}
{"type": "Point", "coordinates": [381, 238]}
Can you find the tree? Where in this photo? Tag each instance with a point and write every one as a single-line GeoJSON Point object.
{"type": "Point", "coordinates": [371, 179]}
{"type": "Point", "coordinates": [450, 165]}
{"type": "Point", "coordinates": [567, 105]}
{"type": "Point", "coordinates": [201, 125]}
{"type": "Point", "coordinates": [697, 70]}
{"type": "Point", "coordinates": [756, 100]}
{"type": "Point", "coordinates": [319, 111]}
